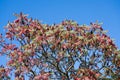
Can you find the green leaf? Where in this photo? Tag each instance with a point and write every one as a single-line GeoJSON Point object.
{"type": "Point", "coordinates": [80, 37]}
{"type": "Point", "coordinates": [104, 32]}
{"type": "Point", "coordinates": [118, 55]}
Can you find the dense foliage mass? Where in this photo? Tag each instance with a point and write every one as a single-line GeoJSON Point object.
{"type": "Point", "coordinates": [64, 51]}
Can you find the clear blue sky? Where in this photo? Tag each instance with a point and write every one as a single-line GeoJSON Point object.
{"type": "Point", "coordinates": [54, 11]}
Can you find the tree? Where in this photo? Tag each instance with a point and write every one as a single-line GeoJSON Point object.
{"type": "Point", "coordinates": [64, 51]}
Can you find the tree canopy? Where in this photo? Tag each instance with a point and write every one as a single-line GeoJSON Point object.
{"type": "Point", "coordinates": [64, 51]}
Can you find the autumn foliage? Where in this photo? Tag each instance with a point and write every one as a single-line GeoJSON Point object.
{"type": "Point", "coordinates": [64, 51]}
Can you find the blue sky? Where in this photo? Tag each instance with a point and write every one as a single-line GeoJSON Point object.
{"type": "Point", "coordinates": [54, 11]}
